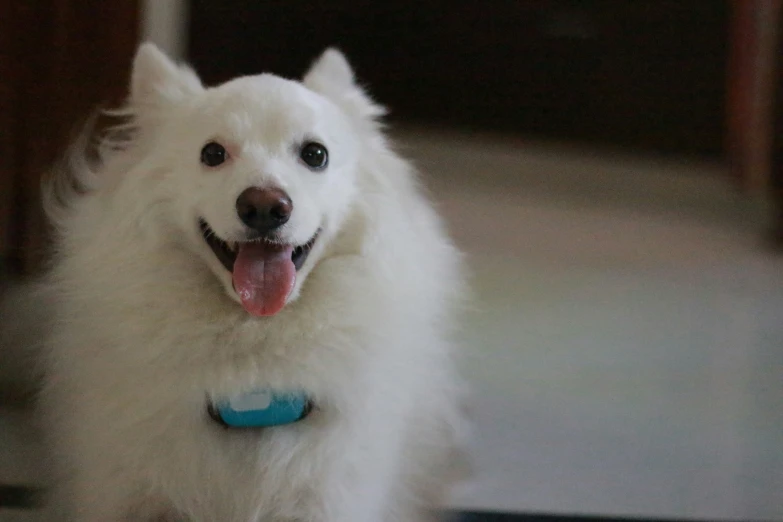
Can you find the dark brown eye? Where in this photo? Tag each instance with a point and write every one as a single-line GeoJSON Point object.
{"type": "Point", "coordinates": [213, 154]}
{"type": "Point", "coordinates": [314, 155]}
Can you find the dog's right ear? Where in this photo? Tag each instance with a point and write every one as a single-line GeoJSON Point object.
{"type": "Point", "coordinates": [156, 81]}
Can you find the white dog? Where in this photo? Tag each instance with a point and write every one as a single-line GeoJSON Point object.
{"type": "Point", "coordinates": [256, 241]}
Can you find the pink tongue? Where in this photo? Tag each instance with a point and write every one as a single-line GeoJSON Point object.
{"type": "Point", "coordinates": [264, 276]}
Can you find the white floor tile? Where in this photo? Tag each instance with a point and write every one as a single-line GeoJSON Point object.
{"type": "Point", "coordinates": [627, 350]}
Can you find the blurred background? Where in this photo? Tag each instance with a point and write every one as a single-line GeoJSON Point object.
{"type": "Point", "coordinates": [613, 169]}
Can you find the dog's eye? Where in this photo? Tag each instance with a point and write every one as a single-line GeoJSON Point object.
{"type": "Point", "coordinates": [213, 154]}
{"type": "Point", "coordinates": [314, 155]}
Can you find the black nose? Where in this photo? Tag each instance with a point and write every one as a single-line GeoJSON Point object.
{"type": "Point", "coordinates": [264, 210]}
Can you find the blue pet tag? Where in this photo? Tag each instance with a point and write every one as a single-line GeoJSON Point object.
{"type": "Point", "coordinates": [261, 409]}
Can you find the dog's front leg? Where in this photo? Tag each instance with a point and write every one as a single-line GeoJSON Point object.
{"type": "Point", "coordinates": [364, 481]}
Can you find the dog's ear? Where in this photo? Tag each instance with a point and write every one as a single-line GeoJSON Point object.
{"type": "Point", "coordinates": [332, 76]}
{"type": "Point", "coordinates": [157, 81]}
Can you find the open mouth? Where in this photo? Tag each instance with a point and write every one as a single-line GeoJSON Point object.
{"type": "Point", "coordinates": [227, 251]}
{"type": "Point", "coordinates": [263, 271]}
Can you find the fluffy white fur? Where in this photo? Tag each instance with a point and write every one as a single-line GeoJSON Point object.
{"type": "Point", "coordinates": [146, 324]}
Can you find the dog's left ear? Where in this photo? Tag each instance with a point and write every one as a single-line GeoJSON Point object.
{"type": "Point", "coordinates": [332, 76]}
{"type": "Point", "coordinates": [156, 81]}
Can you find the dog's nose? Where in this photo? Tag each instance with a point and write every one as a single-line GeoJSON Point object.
{"type": "Point", "coordinates": [264, 210]}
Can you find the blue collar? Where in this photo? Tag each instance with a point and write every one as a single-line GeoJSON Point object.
{"type": "Point", "coordinates": [260, 409]}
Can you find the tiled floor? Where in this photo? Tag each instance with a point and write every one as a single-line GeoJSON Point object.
{"type": "Point", "coordinates": [626, 346]}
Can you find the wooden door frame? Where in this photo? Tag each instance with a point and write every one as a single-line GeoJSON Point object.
{"type": "Point", "coordinates": [59, 59]}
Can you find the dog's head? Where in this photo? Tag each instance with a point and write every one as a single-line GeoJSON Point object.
{"type": "Point", "coordinates": [260, 172]}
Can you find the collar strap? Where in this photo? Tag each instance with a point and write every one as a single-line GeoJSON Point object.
{"type": "Point", "coordinates": [260, 409]}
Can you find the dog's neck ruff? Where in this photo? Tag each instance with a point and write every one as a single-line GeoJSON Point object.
{"type": "Point", "coordinates": [260, 409]}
